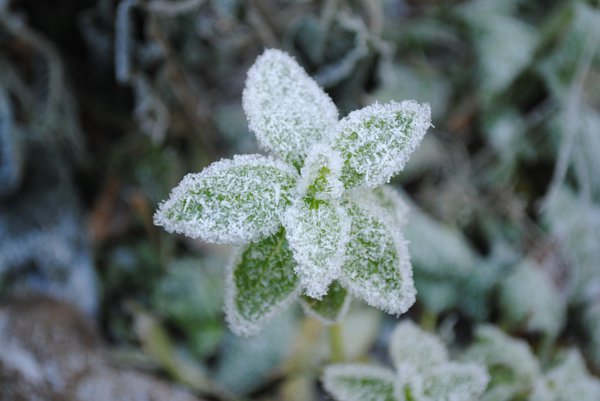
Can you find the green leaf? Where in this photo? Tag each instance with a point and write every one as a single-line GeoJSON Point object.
{"type": "Point", "coordinates": [377, 267]}
{"type": "Point", "coordinates": [286, 109]}
{"type": "Point", "coordinates": [260, 282]}
{"type": "Point", "coordinates": [392, 202]}
{"type": "Point", "coordinates": [331, 308]}
{"type": "Point", "coordinates": [317, 231]}
{"type": "Point", "coordinates": [359, 383]}
{"type": "Point", "coordinates": [231, 201]}
{"type": "Point", "coordinates": [512, 366]}
{"type": "Point", "coordinates": [410, 344]}
{"type": "Point", "coordinates": [455, 381]}
{"type": "Point", "coordinates": [320, 175]}
{"type": "Point", "coordinates": [376, 142]}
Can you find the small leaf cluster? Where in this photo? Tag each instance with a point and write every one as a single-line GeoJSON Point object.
{"type": "Point", "coordinates": [423, 373]}
{"type": "Point", "coordinates": [516, 374]}
{"type": "Point", "coordinates": [312, 221]}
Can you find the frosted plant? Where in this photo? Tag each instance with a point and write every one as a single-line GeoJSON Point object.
{"type": "Point", "coordinates": [529, 299]}
{"type": "Point", "coordinates": [311, 220]}
{"type": "Point", "coordinates": [510, 362]}
{"type": "Point", "coordinates": [423, 373]}
{"type": "Point", "coordinates": [568, 381]}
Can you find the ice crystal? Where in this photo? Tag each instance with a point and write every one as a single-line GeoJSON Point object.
{"type": "Point", "coordinates": [423, 373]}
{"type": "Point", "coordinates": [335, 237]}
{"type": "Point", "coordinates": [287, 111]}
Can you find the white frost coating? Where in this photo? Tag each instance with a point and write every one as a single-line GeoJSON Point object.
{"type": "Point", "coordinates": [376, 142]}
{"type": "Point", "coordinates": [390, 199]}
{"type": "Point", "coordinates": [231, 201]}
{"type": "Point", "coordinates": [237, 323]}
{"type": "Point", "coordinates": [377, 268]}
{"type": "Point", "coordinates": [410, 344]}
{"type": "Point", "coordinates": [286, 109]}
{"type": "Point", "coordinates": [320, 175]}
{"type": "Point", "coordinates": [343, 382]}
{"type": "Point", "coordinates": [317, 234]}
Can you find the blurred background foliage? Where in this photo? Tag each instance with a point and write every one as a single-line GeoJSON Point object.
{"type": "Point", "coordinates": [106, 104]}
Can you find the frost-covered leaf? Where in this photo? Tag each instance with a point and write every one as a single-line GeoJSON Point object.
{"type": "Point", "coordinates": [317, 232]}
{"type": "Point", "coordinates": [286, 109]}
{"type": "Point", "coordinates": [504, 44]}
{"type": "Point", "coordinates": [410, 344]}
{"type": "Point", "coordinates": [230, 201]}
{"type": "Point", "coordinates": [376, 141]}
{"type": "Point", "coordinates": [320, 175]}
{"type": "Point", "coordinates": [377, 267]}
{"type": "Point", "coordinates": [575, 223]}
{"type": "Point", "coordinates": [436, 249]}
{"type": "Point", "coordinates": [260, 282]}
{"type": "Point", "coordinates": [511, 364]}
{"type": "Point", "coordinates": [359, 383]}
{"type": "Point", "coordinates": [569, 381]}
{"type": "Point", "coordinates": [392, 202]}
{"type": "Point", "coordinates": [331, 308]}
{"type": "Point", "coordinates": [455, 382]}
{"type": "Point", "coordinates": [529, 299]}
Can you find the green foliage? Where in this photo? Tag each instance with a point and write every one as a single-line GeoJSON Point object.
{"type": "Point", "coordinates": [261, 282]}
{"type": "Point", "coordinates": [328, 233]}
{"type": "Point", "coordinates": [424, 373]}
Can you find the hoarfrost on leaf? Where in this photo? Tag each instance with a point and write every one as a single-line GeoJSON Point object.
{"type": "Point", "coordinates": [455, 382]}
{"type": "Point", "coordinates": [260, 282]}
{"type": "Point", "coordinates": [359, 383]}
{"type": "Point", "coordinates": [320, 175]}
{"type": "Point", "coordinates": [390, 199]}
{"type": "Point", "coordinates": [375, 142]}
{"type": "Point", "coordinates": [510, 362]}
{"type": "Point", "coordinates": [317, 232]}
{"type": "Point", "coordinates": [377, 267]}
{"type": "Point", "coordinates": [409, 344]}
{"type": "Point", "coordinates": [230, 201]}
{"type": "Point", "coordinates": [286, 109]}
{"type": "Point", "coordinates": [331, 308]}
{"type": "Point", "coordinates": [529, 299]}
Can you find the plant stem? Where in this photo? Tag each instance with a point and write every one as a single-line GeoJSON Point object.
{"type": "Point", "coordinates": [428, 320]}
{"type": "Point", "coordinates": [336, 343]}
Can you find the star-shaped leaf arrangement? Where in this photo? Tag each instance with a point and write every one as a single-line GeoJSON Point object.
{"type": "Point", "coordinates": [314, 220]}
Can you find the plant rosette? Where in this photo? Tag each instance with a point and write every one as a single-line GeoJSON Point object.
{"type": "Point", "coordinates": [313, 221]}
